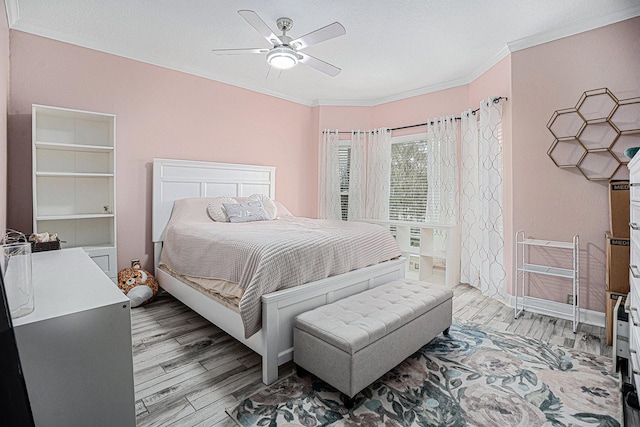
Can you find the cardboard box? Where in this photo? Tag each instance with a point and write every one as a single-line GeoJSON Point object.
{"type": "Point", "coordinates": [610, 316]}
{"type": "Point", "coordinates": [619, 208]}
{"type": "Point", "coordinates": [617, 263]}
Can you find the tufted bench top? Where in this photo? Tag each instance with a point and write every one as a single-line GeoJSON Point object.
{"type": "Point", "coordinates": [353, 323]}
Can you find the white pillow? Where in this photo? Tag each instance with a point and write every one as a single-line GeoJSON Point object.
{"type": "Point", "coordinates": [282, 210]}
{"type": "Point", "coordinates": [216, 210]}
{"type": "Point", "coordinates": [269, 205]}
{"type": "Point", "coordinates": [252, 210]}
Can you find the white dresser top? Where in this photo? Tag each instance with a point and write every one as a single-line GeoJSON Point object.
{"type": "Point", "coordinates": [68, 281]}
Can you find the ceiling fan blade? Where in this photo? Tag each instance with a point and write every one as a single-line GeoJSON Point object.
{"type": "Point", "coordinates": [325, 33]}
{"type": "Point", "coordinates": [319, 65]}
{"type": "Point", "coordinates": [256, 22]}
{"type": "Point", "coordinates": [239, 51]}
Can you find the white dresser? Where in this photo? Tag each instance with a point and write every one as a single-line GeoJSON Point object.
{"type": "Point", "coordinates": [75, 347]}
{"type": "Point", "coordinates": [634, 276]}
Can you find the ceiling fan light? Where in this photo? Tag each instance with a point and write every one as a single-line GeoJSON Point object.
{"type": "Point", "coordinates": [282, 58]}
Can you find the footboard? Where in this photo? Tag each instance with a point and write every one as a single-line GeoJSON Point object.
{"type": "Point", "coordinates": [280, 308]}
{"type": "Point", "coordinates": [274, 342]}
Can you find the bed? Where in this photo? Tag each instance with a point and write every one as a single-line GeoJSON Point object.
{"type": "Point", "coordinates": [181, 179]}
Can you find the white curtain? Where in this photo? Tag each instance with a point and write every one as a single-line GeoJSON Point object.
{"type": "Point", "coordinates": [442, 171]}
{"type": "Point", "coordinates": [378, 174]}
{"type": "Point", "coordinates": [357, 176]}
{"type": "Point", "coordinates": [482, 224]}
{"type": "Point", "coordinates": [330, 176]}
{"type": "Point", "coordinates": [442, 176]}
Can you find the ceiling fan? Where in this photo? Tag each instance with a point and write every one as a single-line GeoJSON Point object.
{"type": "Point", "coordinates": [285, 52]}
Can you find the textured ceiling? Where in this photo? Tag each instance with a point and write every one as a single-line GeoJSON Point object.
{"type": "Point", "coordinates": [392, 49]}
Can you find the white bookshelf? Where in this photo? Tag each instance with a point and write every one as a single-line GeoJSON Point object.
{"type": "Point", "coordinates": [433, 256]}
{"type": "Point", "coordinates": [74, 180]}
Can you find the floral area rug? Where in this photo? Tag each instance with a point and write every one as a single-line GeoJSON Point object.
{"type": "Point", "coordinates": [473, 377]}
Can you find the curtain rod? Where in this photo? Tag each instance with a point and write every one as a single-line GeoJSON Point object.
{"type": "Point", "coordinates": [495, 101]}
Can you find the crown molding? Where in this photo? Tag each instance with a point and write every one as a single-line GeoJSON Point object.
{"type": "Point", "coordinates": [149, 59]}
{"type": "Point", "coordinates": [397, 97]}
{"type": "Point", "coordinates": [342, 103]}
{"type": "Point", "coordinates": [13, 11]}
{"type": "Point", "coordinates": [577, 28]}
{"type": "Point", "coordinates": [487, 65]}
{"type": "Point", "coordinates": [422, 91]}
{"type": "Point", "coordinates": [13, 17]}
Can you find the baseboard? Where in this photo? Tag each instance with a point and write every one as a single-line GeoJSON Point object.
{"type": "Point", "coordinates": [558, 309]}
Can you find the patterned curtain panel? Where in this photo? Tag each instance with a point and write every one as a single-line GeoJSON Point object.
{"type": "Point", "coordinates": [482, 224]}
{"type": "Point", "coordinates": [330, 176]}
{"type": "Point", "coordinates": [442, 176]}
{"type": "Point", "coordinates": [378, 174]}
{"type": "Point", "coordinates": [357, 175]}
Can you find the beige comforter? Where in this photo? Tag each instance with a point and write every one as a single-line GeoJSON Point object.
{"type": "Point", "coordinates": [266, 256]}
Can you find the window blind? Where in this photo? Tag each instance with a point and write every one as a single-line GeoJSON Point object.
{"type": "Point", "coordinates": [344, 160]}
{"type": "Point", "coordinates": [408, 185]}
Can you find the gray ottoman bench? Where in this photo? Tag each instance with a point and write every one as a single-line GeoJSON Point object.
{"type": "Point", "coordinates": [354, 341]}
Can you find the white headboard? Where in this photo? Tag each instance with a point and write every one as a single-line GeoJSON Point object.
{"type": "Point", "coordinates": [179, 179]}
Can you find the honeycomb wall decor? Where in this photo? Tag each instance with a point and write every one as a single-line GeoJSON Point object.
{"type": "Point", "coordinates": [593, 136]}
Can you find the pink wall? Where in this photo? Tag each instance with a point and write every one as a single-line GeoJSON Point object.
{"type": "Point", "coordinates": [553, 203]}
{"type": "Point", "coordinates": [420, 109]}
{"type": "Point", "coordinates": [344, 118]}
{"type": "Point", "coordinates": [163, 113]}
{"type": "Point", "coordinates": [409, 111]}
{"type": "Point", "coordinates": [4, 97]}
{"type": "Point", "coordinates": [160, 113]}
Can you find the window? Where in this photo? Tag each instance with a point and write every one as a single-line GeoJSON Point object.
{"type": "Point", "coordinates": [344, 160]}
{"type": "Point", "coordinates": [408, 180]}
{"type": "Point", "coordinates": [408, 185]}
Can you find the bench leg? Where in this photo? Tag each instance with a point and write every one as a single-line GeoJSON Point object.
{"type": "Point", "coordinates": [300, 371]}
{"type": "Point", "coordinates": [348, 402]}
{"type": "Point", "coordinates": [446, 332]}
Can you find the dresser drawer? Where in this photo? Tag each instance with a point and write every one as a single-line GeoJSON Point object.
{"type": "Point", "coordinates": [634, 294]}
{"type": "Point", "coordinates": [634, 215]}
{"type": "Point", "coordinates": [634, 335]}
{"type": "Point", "coordinates": [622, 329]}
{"type": "Point", "coordinates": [634, 257]}
{"type": "Point", "coordinates": [105, 257]}
{"type": "Point", "coordinates": [634, 185]}
{"type": "Point", "coordinates": [620, 332]}
{"type": "Point", "coordinates": [622, 348]}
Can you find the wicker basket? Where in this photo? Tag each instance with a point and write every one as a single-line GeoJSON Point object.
{"type": "Point", "coordinates": [13, 236]}
{"type": "Point", "coordinates": [45, 246]}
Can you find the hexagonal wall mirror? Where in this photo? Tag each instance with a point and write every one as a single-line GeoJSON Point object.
{"type": "Point", "coordinates": [596, 104]}
{"type": "Point", "coordinates": [624, 141]}
{"type": "Point", "coordinates": [627, 115]}
{"type": "Point", "coordinates": [594, 135]}
{"type": "Point", "coordinates": [567, 153]}
{"type": "Point", "coordinates": [598, 165]}
{"type": "Point", "coordinates": [598, 135]}
{"type": "Point", "coordinates": [566, 123]}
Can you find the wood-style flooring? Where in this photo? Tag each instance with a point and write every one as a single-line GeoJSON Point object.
{"type": "Point", "coordinates": [187, 371]}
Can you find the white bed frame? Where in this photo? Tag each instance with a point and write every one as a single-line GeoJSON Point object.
{"type": "Point", "coordinates": [179, 179]}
